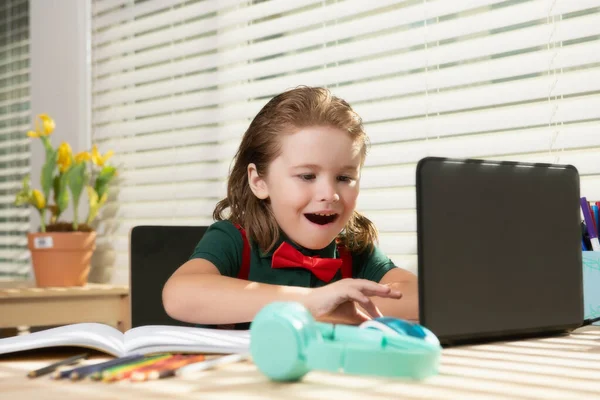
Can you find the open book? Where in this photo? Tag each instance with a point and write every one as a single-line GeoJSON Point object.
{"type": "Point", "coordinates": [140, 340]}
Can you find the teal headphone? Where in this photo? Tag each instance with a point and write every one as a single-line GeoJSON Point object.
{"type": "Point", "coordinates": [286, 343]}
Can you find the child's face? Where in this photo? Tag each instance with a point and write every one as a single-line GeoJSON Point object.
{"type": "Point", "coordinates": [312, 185]}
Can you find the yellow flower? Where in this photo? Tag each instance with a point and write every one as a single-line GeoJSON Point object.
{"type": "Point", "coordinates": [83, 156]}
{"type": "Point", "coordinates": [99, 159]}
{"type": "Point", "coordinates": [38, 199]}
{"type": "Point", "coordinates": [48, 126]}
{"type": "Point", "coordinates": [64, 157]}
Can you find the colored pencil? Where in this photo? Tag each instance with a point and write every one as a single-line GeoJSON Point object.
{"type": "Point", "coordinates": [52, 367]}
{"type": "Point", "coordinates": [172, 369]}
{"type": "Point", "coordinates": [166, 370]}
{"type": "Point", "coordinates": [82, 372]}
{"type": "Point", "coordinates": [85, 371]}
{"type": "Point", "coordinates": [141, 371]}
{"type": "Point", "coordinates": [124, 372]}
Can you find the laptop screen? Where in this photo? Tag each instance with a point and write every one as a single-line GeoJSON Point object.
{"type": "Point", "coordinates": [499, 248]}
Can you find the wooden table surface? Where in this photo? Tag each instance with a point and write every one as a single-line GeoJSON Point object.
{"type": "Point", "coordinates": [564, 367]}
{"type": "Point", "coordinates": [22, 303]}
{"type": "Point", "coordinates": [25, 290]}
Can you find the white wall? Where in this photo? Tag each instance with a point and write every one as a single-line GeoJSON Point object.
{"type": "Point", "coordinates": [60, 77]}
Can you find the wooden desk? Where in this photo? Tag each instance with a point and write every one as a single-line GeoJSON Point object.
{"type": "Point", "coordinates": [566, 367]}
{"type": "Point", "coordinates": [23, 304]}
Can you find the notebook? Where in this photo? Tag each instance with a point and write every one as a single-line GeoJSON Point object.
{"type": "Point", "coordinates": [141, 340]}
{"type": "Point", "coordinates": [499, 249]}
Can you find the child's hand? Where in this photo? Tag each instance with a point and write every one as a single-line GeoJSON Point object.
{"type": "Point", "coordinates": [338, 302]}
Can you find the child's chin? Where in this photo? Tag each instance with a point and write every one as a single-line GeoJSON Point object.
{"type": "Point", "coordinates": [317, 243]}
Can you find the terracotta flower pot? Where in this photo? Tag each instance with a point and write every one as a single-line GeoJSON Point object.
{"type": "Point", "coordinates": [61, 258]}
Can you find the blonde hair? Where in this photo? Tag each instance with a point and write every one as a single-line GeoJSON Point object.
{"type": "Point", "coordinates": [294, 109]}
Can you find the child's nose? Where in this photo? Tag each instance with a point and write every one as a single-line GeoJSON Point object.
{"type": "Point", "coordinates": [328, 192]}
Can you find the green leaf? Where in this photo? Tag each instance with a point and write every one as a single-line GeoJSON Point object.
{"type": "Point", "coordinates": [24, 195]}
{"type": "Point", "coordinates": [106, 175]}
{"type": "Point", "coordinates": [77, 180]}
{"type": "Point", "coordinates": [47, 145]}
{"type": "Point", "coordinates": [95, 204]}
{"type": "Point", "coordinates": [47, 177]}
{"type": "Point", "coordinates": [61, 194]}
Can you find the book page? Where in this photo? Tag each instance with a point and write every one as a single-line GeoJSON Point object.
{"type": "Point", "coordinates": [155, 338]}
{"type": "Point", "coordinates": [89, 335]}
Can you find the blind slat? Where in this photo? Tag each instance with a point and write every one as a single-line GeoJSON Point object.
{"type": "Point", "coordinates": [520, 91]}
{"type": "Point", "coordinates": [577, 135]}
{"type": "Point", "coordinates": [319, 36]}
{"type": "Point", "coordinates": [245, 33]}
{"type": "Point", "coordinates": [17, 254]}
{"type": "Point", "coordinates": [12, 226]}
{"type": "Point", "coordinates": [129, 13]}
{"type": "Point", "coordinates": [154, 191]}
{"type": "Point", "coordinates": [482, 96]}
{"type": "Point", "coordinates": [182, 120]}
{"type": "Point", "coordinates": [225, 19]}
{"type": "Point", "coordinates": [183, 155]}
{"type": "Point", "coordinates": [501, 68]}
{"type": "Point", "coordinates": [10, 143]}
{"type": "Point", "coordinates": [13, 241]}
{"type": "Point", "coordinates": [185, 137]}
{"type": "Point", "coordinates": [158, 210]}
{"type": "Point", "coordinates": [505, 43]}
{"type": "Point", "coordinates": [175, 173]}
{"type": "Point", "coordinates": [525, 115]}
{"type": "Point", "coordinates": [10, 185]}
{"type": "Point", "coordinates": [260, 49]}
{"type": "Point", "coordinates": [504, 118]}
{"type": "Point", "coordinates": [14, 172]}
{"type": "Point", "coordinates": [102, 6]}
{"type": "Point", "coordinates": [7, 211]}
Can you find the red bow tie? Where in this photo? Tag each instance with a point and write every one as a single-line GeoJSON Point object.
{"type": "Point", "coordinates": [287, 256]}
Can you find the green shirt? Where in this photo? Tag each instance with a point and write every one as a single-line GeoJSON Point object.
{"type": "Point", "coordinates": [222, 245]}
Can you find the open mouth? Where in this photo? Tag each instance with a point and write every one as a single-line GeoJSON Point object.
{"type": "Point", "coordinates": [321, 219]}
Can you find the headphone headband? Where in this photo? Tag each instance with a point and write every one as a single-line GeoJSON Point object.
{"type": "Point", "coordinates": [286, 343]}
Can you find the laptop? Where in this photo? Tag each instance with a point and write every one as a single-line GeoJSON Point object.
{"type": "Point", "coordinates": [157, 252]}
{"type": "Point", "coordinates": [499, 247]}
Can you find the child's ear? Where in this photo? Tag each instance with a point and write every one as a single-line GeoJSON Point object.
{"type": "Point", "coordinates": [257, 183]}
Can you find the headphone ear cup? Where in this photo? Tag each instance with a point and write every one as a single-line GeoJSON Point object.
{"type": "Point", "coordinates": [279, 335]}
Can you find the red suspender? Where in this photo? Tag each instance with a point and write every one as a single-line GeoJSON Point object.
{"type": "Point", "coordinates": [346, 261]}
{"type": "Point", "coordinates": [245, 268]}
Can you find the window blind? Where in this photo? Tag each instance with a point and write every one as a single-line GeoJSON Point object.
{"type": "Point", "coordinates": [14, 145]}
{"type": "Point", "coordinates": [176, 83]}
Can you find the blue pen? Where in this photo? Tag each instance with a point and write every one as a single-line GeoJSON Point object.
{"type": "Point", "coordinates": [583, 247]}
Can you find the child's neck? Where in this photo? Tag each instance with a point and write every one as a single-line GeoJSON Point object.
{"type": "Point", "coordinates": [305, 250]}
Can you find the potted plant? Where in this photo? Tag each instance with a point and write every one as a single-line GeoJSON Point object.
{"type": "Point", "coordinates": [61, 251]}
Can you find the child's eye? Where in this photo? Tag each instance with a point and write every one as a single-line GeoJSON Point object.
{"type": "Point", "coordinates": [344, 178]}
{"type": "Point", "coordinates": [306, 177]}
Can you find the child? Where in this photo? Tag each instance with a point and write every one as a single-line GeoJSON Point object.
{"type": "Point", "coordinates": [292, 193]}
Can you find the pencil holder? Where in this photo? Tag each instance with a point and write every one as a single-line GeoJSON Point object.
{"type": "Point", "coordinates": [591, 284]}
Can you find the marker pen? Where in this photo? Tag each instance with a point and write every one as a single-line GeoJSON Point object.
{"type": "Point", "coordinates": [589, 222]}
